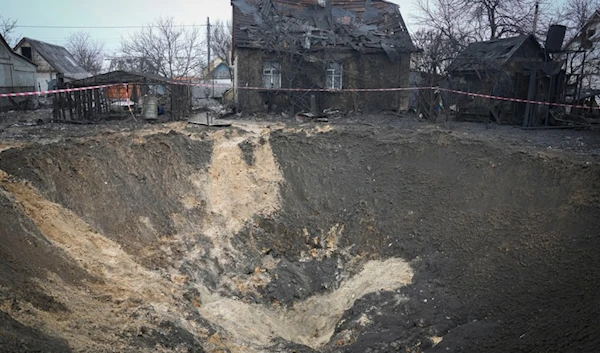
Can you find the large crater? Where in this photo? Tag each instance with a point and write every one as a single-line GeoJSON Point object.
{"type": "Point", "coordinates": [274, 239]}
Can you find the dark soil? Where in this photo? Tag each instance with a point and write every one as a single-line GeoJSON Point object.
{"type": "Point", "coordinates": [247, 152]}
{"type": "Point", "coordinates": [502, 236]}
{"type": "Point", "coordinates": [95, 178]}
{"type": "Point", "coordinates": [168, 335]}
{"type": "Point", "coordinates": [26, 254]}
{"type": "Point", "coordinates": [15, 337]}
{"type": "Point", "coordinates": [504, 241]}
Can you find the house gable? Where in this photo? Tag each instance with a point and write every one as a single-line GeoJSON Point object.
{"type": "Point", "coordinates": [17, 74]}
{"type": "Point", "coordinates": [588, 35]}
{"type": "Point", "coordinates": [7, 55]}
{"type": "Point", "coordinates": [5, 52]}
{"type": "Point", "coordinates": [36, 58]}
{"type": "Point", "coordinates": [221, 72]}
{"type": "Point", "coordinates": [53, 58]}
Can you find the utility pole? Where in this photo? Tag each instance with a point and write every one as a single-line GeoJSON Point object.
{"type": "Point", "coordinates": [208, 51]}
{"type": "Point", "coordinates": [208, 40]}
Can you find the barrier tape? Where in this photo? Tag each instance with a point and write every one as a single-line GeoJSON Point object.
{"type": "Point", "coordinates": [64, 90]}
{"type": "Point", "coordinates": [518, 100]}
{"type": "Point", "coordinates": [394, 89]}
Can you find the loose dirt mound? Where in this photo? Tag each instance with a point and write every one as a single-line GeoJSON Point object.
{"type": "Point", "coordinates": [260, 239]}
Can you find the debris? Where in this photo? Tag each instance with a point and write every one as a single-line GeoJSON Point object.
{"type": "Point", "coordinates": [379, 27]}
{"type": "Point", "coordinates": [208, 120]}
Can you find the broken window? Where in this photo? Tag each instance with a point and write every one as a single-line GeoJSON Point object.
{"type": "Point", "coordinates": [26, 52]}
{"type": "Point", "coordinates": [272, 74]}
{"type": "Point", "coordinates": [334, 76]}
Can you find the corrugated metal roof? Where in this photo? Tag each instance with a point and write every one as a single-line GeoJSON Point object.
{"type": "Point", "coordinates": [59, 58]}
{"type": "Point", "coordinates": [359, 24]}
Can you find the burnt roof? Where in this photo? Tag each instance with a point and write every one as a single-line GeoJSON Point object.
{"type": "Point", "coordinates": [496, 52]}
{"type": "Point", "coordinates": [59, 58]}
{"type": "Point", "coordinates": [356, 24]}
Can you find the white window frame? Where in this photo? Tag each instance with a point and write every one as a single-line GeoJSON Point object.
{"type": "Point", "coordinates": [334, 76]}
{"type": "Point", "coordinates": [271, 74]}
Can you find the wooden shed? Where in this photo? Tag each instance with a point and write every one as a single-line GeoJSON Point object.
{"type": "Point", "coordinates": [133, 86]}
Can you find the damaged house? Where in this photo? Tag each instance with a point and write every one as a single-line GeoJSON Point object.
{"type": "Point", "coordinates": [325, 45]}
{"type": "Point", "coordinates": [55, 65]}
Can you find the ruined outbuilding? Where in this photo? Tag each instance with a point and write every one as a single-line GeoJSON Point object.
{"type": "Point", "coordinates": [17, 74]}
{"type": "Point", "coordinates": [516, 67]}
{"type": "Point", "coordinates": [137, 88]}
{"type": "Point", "coordinates": [327, 45]}
{"type": "Point", "coordinates": [55, 64]}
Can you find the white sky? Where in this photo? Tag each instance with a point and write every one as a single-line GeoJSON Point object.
{"type": "Point", "coordinates": [117, 13]}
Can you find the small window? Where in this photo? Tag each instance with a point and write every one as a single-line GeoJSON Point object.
{"type": "Point", "coordinates": [272, 74]}
{"type": "Point", "coordinates": [334, 76]}
{"type": "Point", "coordinates": [26, 52]}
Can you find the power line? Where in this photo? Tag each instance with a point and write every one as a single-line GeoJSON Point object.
{"type": "Point", "coordinates": [98, 27]}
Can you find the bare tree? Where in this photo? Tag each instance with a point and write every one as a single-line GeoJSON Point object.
{"type": "Point", "coordinates": [164, 48]}
{"type": "Point", "coordinates": [221, 40]}
{"type": "Point", "coordinates": [446, 18]}
{"type": "Point", "coordinates": [576, 13]}
{"type": "Point", "coordinates": [126, 63]}
{"type": "Point", "coordinates": [7, 26]}
{"type": "Point", "coordinates": [481, 19]}
{"type": "Point", "coordinates": [448, 26]}
{"type": "Point", "coordinates": [87, 52]}
{"type": "Point", "coordinates": [436, 51]}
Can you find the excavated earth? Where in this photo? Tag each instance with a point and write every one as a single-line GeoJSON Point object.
{"type": "Point", "coordinates": [275, 238]}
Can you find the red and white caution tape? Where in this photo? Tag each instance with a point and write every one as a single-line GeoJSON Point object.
{"type": "Point", "coordinates": [518, 100]}
{"type": "Point", "coordinates": [393, 89]}
{"type": "Point", "coordinates": [208, 85]}
{"type": "Point", "coordinates": [43, 93]}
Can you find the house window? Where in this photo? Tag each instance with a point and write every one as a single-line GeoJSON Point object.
{"type": "Point", "coordinates": [334, 76]}
{"type": "Point", "coordinates": [272, 74]}
{"type": "Point", "coordinates": [26, 52]}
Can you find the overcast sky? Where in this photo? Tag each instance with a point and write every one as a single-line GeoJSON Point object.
{"type": "Point", "coordinates": [113, 13]}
